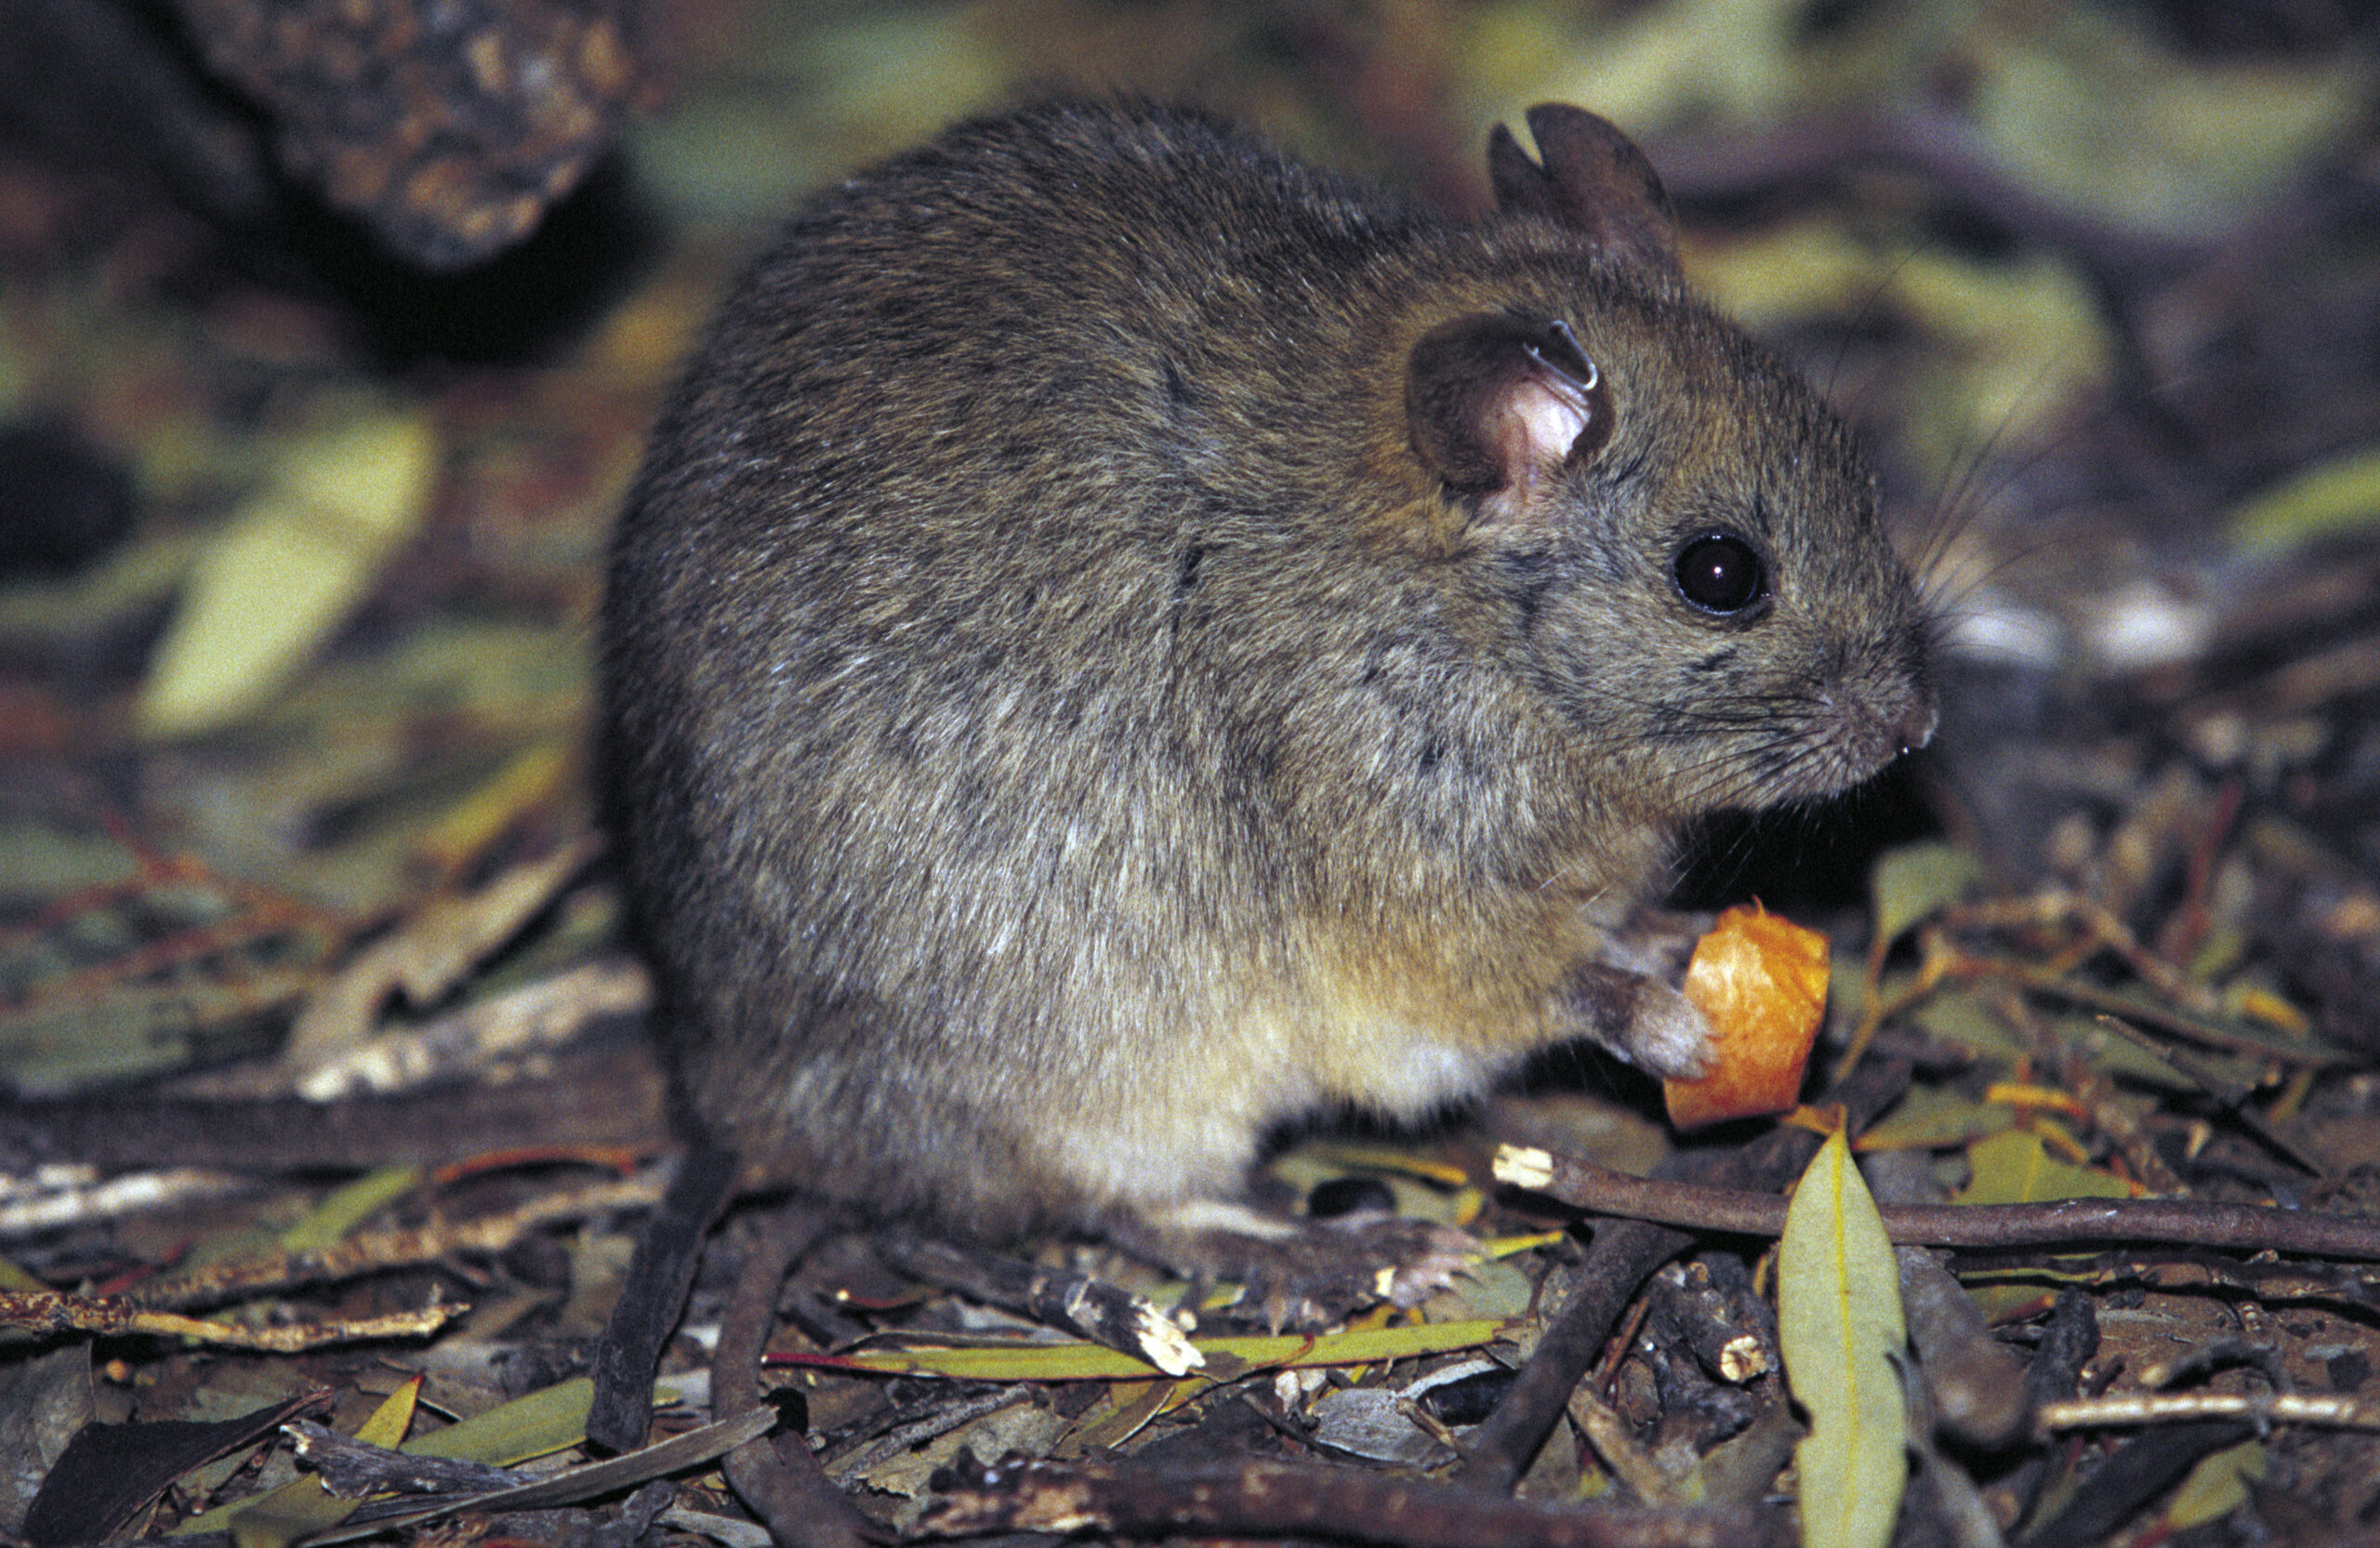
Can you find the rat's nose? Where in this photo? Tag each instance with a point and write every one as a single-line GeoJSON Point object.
{"type": "Point", "coordinates": [1915, 727]}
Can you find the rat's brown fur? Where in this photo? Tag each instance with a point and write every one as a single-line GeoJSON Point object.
{"type": "Point", "coordinates": [1063, 725]}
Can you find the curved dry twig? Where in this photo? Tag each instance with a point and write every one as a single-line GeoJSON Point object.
{"type": "Point", "coordinates": [2065, 1222]}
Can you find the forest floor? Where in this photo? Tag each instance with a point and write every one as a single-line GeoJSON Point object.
{"type": "Point", "coordinates": [300, 551]}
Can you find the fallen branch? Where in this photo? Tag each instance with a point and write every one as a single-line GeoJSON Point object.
{"type": "Point", "coordinates": [115, 1316]}
{"type": "Point", "coordinates": [2177, 1222]}
{"type": "Point", "coordinates": [2169, 1407]}
{"type": "Point", "coordinates": [46, 1201]}
{"type": "Point", "coordinates": [570, 1486]}
{"type": "Point", "coordinates": [372, 1251]}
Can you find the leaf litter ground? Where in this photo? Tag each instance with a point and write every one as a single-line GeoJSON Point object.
{"type": "Point", "coordinates": [2121, 928]}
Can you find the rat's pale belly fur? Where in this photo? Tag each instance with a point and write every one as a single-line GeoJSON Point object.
{"type": "Point", "coordinates": [1195, 1138]}
{"type": "Point", "coordinates": [1167, 1102]}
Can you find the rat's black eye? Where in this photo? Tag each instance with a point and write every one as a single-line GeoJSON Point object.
{"type": "Point", "coordinates": [1720, 572]}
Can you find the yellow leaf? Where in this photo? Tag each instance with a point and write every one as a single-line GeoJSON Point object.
{"type": "Point", "coordinates": [532, 1426]}
{"type": "Point", "coordinates": [2016, 1168]}
{"type": "Point", "coordinates": [389, 1422]}
{"type": "Point", "coordinates": [295, 562]}
{"type": "Point", "coordinates": [1839, 1327]}
{"type": "Point", "coordinates": [303, 1506]}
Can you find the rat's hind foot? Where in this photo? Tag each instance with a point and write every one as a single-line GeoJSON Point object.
{"type": "Point", "coordinates": [1300, 1272]}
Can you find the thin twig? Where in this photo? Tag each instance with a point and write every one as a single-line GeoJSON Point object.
{"type": "Point", "coordinates": [115, 1316]}
{"type": "Point", "coordinates": [2177, 1222]}
{"type": "Point", "coordinates": [2168, 1408]}
{"type": "Point", "coordinates": [375, 1251]}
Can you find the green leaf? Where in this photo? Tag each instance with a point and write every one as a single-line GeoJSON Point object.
{"type": "Point", "coordinates": [1931, 1117]}
{"type": "Point", "coordinates": [2216, 1487]}
{"type": "Point", "coordinates": [1915, 881]}
{"type": "Point", "coordinates": [2337, 495]}
{"type": "Point", "coordinates": [2013, 1168]}
{"type": "Point", "coordinates": [287, 572]}
{"type": "Point", "coordinates": [329, 1222]}
{"type": "Point", "coordinates": [532, 1426]}
{"type": "Point", "coordinates": [302, 1506]}
{"type": "Point", "coordinates": [1839, 1325]}
{"type": "Point", "coordinates": [1964, 1018]}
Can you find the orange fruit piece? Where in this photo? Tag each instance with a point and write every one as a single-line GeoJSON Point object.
{"type": "Point", "coordinates": [1760, 980]}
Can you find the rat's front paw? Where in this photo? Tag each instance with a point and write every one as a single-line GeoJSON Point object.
{"type": "Point", "coordinates": [1644, 1021]}
{"type": "Point", "coordinates": [1668, 1036]}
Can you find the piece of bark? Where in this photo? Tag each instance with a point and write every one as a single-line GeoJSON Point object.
{"type": "Point", "coordinates": [449, 127]}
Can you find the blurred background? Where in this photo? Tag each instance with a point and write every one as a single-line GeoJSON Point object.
{"type": "Point", "coordinates": [329, 335]}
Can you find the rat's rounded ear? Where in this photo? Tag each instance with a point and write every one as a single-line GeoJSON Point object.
{"type": "Point", "coordinates": [1496, 405]}
{"type": "Point", "coordinates": [1593, 181]}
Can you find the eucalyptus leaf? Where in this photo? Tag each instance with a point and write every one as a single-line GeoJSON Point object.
{"type": "Point", "coordinates": [1933, 1117]}
{"type": "Point", "coordinates": [2015, 1167]}
{"type": "Point", "coordinates": [330, 1221]}
{"type": "Point", "coordinates": [1963, 1018]}
{"type": "Point", "coordinates": [302, 1506]}
{"type": "Point", "coordinates": [2337, 495]}
{"type": "Point", "coordinates": [2216, 1487]}
{"type": "Point", "coordinates": [1075, 1361]}
{"type": "Point", "coordinates": [1915, 881]}
{"type": "Point", "coordinates": [1839, 1325]}
{"type": "Point", "coordinates": [291, 567]}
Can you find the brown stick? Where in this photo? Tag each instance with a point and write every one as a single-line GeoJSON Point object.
{"type": "Point", "coordinates": [372, 1251]}
{"type": "Point", "coordinates": [2175, 1221]}
{"type": "Point", "coordinates": [654, 1296]}
{"type": "Point", "coordinates": [114, 1316]}
{"type": "Point", "coordinates": [1102, 1313]}
{"type": "Point", "coordinates": [1617, 1264]}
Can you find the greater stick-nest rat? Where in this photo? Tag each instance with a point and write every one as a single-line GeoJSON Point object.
{"type": "Point", "coordinates": [1123, 639]}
